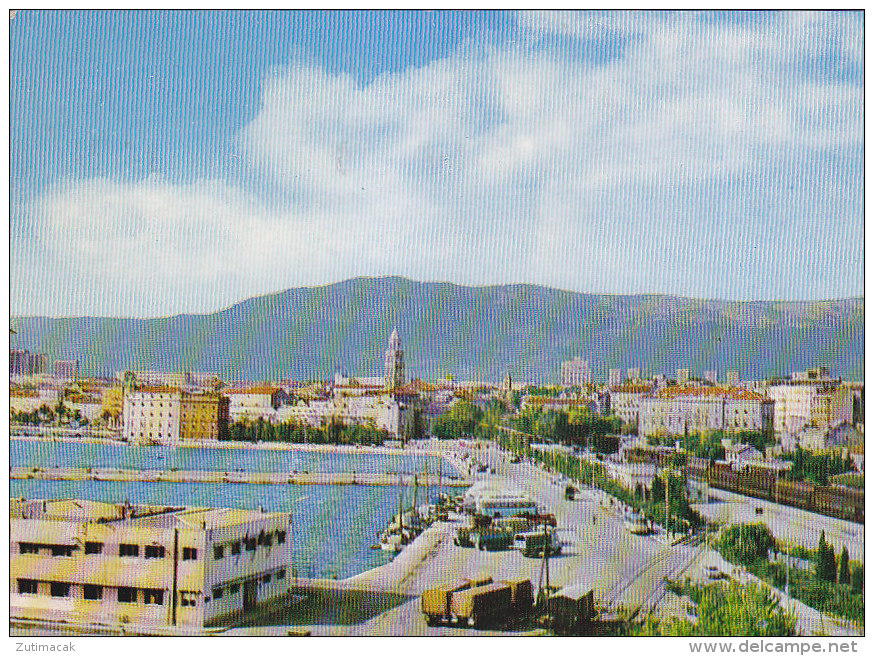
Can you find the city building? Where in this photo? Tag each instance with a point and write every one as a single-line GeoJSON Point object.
{"type": "Point", "coordinates": [86, 562]}
{"type": "Point", "coordinates": [165, 415]}
{"type": "Point", "coordinates": [66, 369]}
{"type": "Point", "coordinates": [732, 378]}
{"type": "Point", "coordinates": [682, 376]}
{"type": "Point", "coordinates": [575, 373]}
{"type": "Point", "coordinates": [625, 401]}
{"type": "Point", "coordinates": [710, 377]}
{"type": "Point", "coordinates": [811, 398]}
{"type": "Point", "coordinates": [24, 363]}
{"type": "Point", "coordinates": [817, 438]}
{"type": "Point", "coordinates": [677, 411]}
{"type": "Point", "coordinates": [633, 374]}
{"type": "Point", "coordinates": [255, 403]}
{"type": "Point", "coordinates": [203, 417]}
{"type": "Point", "coordinates": [615, 377]}
{"type": "Point", "coordinates": [394, 363]}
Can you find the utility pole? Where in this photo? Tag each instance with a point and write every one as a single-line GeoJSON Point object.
{"type": "Point", "coordinates": [667, 501]}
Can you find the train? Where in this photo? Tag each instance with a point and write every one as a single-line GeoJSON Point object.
{"type": "Point", "coordinates": [837, 501]}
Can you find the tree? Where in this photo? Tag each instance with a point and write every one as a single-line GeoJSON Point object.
{"type": "Point", "coordinates": [746, 544]}
{"type": "Point", "coordinates": [857, 580]}
{"type": "Point", "coordinates": [844, 567]}
{"type": "Point", "coordinates": [825, 559]}
{"type": "Point", "coordinates": [658, 490]}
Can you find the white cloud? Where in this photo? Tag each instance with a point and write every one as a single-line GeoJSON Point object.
{"type": "Point", "coordinates": [531, 163]}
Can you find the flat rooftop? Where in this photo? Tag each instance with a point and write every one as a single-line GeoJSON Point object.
{"type": "Point", "coordinates": [84, 511]}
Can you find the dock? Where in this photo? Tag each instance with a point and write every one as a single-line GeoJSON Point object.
{"type": "Point", "coordinates": [222, 477]}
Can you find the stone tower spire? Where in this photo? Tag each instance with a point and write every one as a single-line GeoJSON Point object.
{"type": "Point", "coordinates": [394, 363]}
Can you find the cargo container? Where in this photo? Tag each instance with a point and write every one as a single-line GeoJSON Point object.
{"type": "Point", "coordinates": [522, 596]}
{"type": "Point", "coordinates": [435, 602]}
{"type": "Point", "coordinates": [571, 610]}
{"type": "Point", "coordinates": [482, 606]}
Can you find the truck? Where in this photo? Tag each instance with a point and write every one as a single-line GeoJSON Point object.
{"type": "Point", "coordinates": [481, 606]}
{"type": "Point", "coordinates": [571, 610]}
{"type": "Point", "coordinates": [522, 596]}
{"type": "Point", "coordinates": [495, 540]}
{"type": "Point", "coordinates": [534, 543]}
{"type": "Point", "coordinates": [436, 601]}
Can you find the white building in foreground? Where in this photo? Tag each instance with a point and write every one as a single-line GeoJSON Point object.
{"type": "Point", "coordinates": [85, 562]}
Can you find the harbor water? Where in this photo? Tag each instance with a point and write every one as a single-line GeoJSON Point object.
{"type": "Point", "coordinates": [334, 526]}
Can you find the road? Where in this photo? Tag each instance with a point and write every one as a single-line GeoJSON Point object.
{"type": "Point", "coordinates": [787, 523]}
{"type": "Point", "coordinates": [622, 568]}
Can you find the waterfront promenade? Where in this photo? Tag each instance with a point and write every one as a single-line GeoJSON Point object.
{"type": "Point", "coordinates": [221, 477]}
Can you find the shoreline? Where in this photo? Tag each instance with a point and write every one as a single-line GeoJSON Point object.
{"type": "Point", "coordinates": [247, 446]}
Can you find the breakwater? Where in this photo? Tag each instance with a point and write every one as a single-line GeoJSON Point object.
{"type": "Point", "coordinates": [223, 477]}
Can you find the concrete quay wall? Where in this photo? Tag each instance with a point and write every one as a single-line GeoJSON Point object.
{"type": "Point", "coordinates": [247, 478]}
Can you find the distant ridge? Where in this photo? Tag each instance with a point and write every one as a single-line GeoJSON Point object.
{"type": "Point", "coordinates": [472, 333]}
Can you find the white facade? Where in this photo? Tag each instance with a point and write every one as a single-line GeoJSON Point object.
{"type": "Point", "coordinates": [86, 562]}
{"type": "Point", "coordinates": [381, 410]}
{"type": "Point", "coordinates": [675, 411]}
{"type": "Point", "coordinates": [575, 373]}
{"type": "Point", "coordinates": [615, 377]}
{"type": "Point", "coordinates": [152, 415]}
{"type": "Point", "coordinates": [710, 377]}
{"type": "Point", "coordinates": [682, 376]}
{"type": "Point", "coordinates": [252, 405]}
{"type": "Point", "coordinates": [732, 378]}
{"type": "Point", "coordinates": [394, 363]}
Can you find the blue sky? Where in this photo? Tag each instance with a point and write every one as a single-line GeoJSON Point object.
{"type": "Point", "coordinates": [178, 162]}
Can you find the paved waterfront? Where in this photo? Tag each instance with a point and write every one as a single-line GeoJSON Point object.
{"type": "Point", "coordinates": [220, 477]}
{"type": "Point", "coordinates": [624, 570]}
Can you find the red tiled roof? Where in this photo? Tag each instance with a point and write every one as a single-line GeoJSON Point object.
{"type": "Point", "coordinates": [736, 393]}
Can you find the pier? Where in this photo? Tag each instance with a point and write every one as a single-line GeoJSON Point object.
{"type": "Point", "coordinates": [221, 477]}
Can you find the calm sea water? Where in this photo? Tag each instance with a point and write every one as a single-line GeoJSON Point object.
{"type": "Point", "coordinates": [334, 526]}
{"type": "Point", "coordinates": [57, 454]}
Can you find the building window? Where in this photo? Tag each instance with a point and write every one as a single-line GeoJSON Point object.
{"type": "Point", "coordinates": [217, 592]}
{"type": "Point", "coordinates": [62, 550]}
{"type": "Point", "coordinates": [92, 592]}
{"type": "Point", "coordinates": [127, 595]}
{"type": "Point", "coordinates": [280, 537]}
{"type": "Point", "coordinates": [60, 589]}
{"type": "Point", "coordinates": [250, 544]}
{"type": "Point", "coordinates": [154, 551]}
{"type": "Point", "coordinates": [93, 548]}
{"type": "Point", "coordinates": [187, 598]}
{"type": "Point", "coordinates": [189, 553]}
{"type": "Point", "coordinates": [233, 588]}
{"type": "Point", "coordinates": [129, 550]}
{"type": "Point", "coordinates": [265, 578]}
{"type": "Point", "coordinates": [153, 597]}
{"type": "Point", "coordinates": [26, 586]}
{"type": "Point", "coordinates": [280, 575]}
{"type": "Point", "coordinates": [28, 548]}
{"type": "Point", "coordinates": [218, 552]}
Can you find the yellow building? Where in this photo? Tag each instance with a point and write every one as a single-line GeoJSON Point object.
{"type": "Point", "coordinates": [165, 415]}
{"type": "Point", "coordinates": [203, 417]}
{"type": "Point", "coordinates": [86, 562]}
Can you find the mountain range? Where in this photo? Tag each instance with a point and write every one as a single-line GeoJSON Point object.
{"type": "Point", "coordinates": [471, 333]}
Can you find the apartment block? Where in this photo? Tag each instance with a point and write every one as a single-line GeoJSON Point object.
{"type": "Point", "coordinates": [166, 415]}
{"type": "Point", "coordinates": [676, 411]}
{"type": "Point", "coordinates": [86, 562]}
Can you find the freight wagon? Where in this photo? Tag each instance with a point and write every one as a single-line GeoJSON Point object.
{"type": "Point", "coordinates": [435, 602]}
{"type": "Point", "coordinates": [482, 606]}
{"type": "Point", "coordinates": [571, 610]}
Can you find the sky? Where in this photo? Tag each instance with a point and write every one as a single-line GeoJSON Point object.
{"type": "Point", "coordinates": [179, 162]}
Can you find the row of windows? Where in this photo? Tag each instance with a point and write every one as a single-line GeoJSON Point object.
{"type": "Point", "coordinates": [250, 544]}
{"type": "Point", "coordinates": [93, 548]}
{"type": "Point", "coordinates": [125, 595]}
{"type": "Point", "coordinates": [232, 588]}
